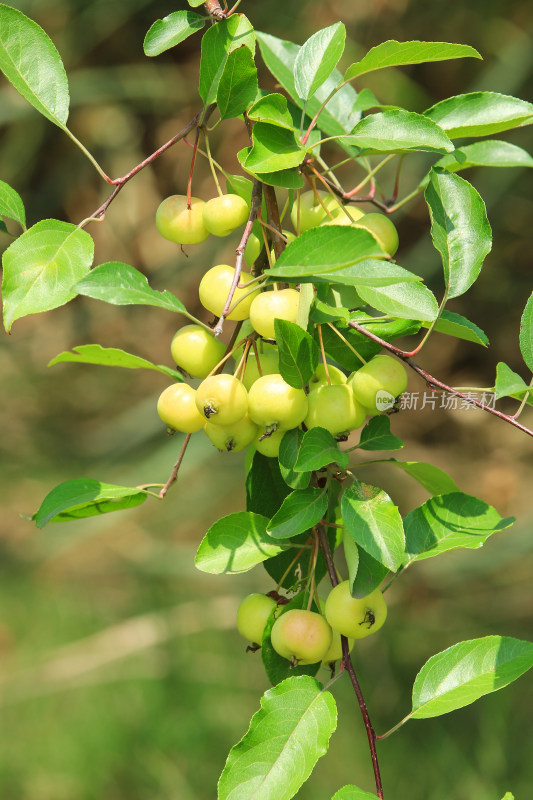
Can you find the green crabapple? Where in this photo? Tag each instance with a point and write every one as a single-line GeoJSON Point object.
{"type": "Point", "coordinates": [252, 616]}
{"type": "Point", "coordinates": [214, 289]}
{"type": "Point", "coordinates": [302, 636]}
{"type": "Point", "coordinates": [177, 408]}
{"type": "Point", "coordinates": [222, 399]}
{"type": "Point", "coordinates": [224, 214]}
{"type": "Point", "coordinates": [268, 306]}
{"type": "Point", "coordinates": [232, 438]}
{"type": "Point", "coordinates": [319, 377]}
{"type": "Point", "coordinates": [335, 409]}
{"type": "Point", "coordinates": [341, 217]}
{"type": "Point", "coordinates": [273, 404]}
{"type": "Point", "coordinates": [312, 212]}
{"type": "Point", "coordinates": [179, 224]}
{"type": "Point", "coordinates": [335, 651]}
{"type": "Point", "coordinates": [355, 617]}
{"type": "Point", "coordinates": [378, 382]}
{"type": "Point", "coordinates": [268, 361]}
{"type": "Point", "coordinates": [382, 229]}
{"type": "Point", "coordinates": [269, 445]}
{"type": "Point", "coordinates": [196, 350]}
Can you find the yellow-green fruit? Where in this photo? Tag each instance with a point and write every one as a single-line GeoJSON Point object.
{"type": "Point", "coordinates": [335, 651]}
{"type": "Point", "coordinates": [355, 617]}
{"type": "Point", "coordinates": [269, 446]}
{"type": "Point", "coordinates": [268, 361]}
{"type": "Point", "coordinates": [222, 399]}
{"type": "Point", "coordinates": [312, 211]}
{"type": "Point", "coordinates": [377, 383]}
{"type": "Point", "coordinates": [232, 438]}
{"type": "Point", "coordinates": [382, 229]}
{"type": "Point", "coordinates": [196, 350]}
{"type": "Point", "coordinates": [341, 218]}
{"type": "Point", "coordinates": [268, 306]}
{"type": "Point", "coordinates": [252, 616]}
{"type": "Point", "coordinates": [214, 290]}
{"type": "Point", "coordinates": [179, 224]}
{"type": "Point", "coordinates": [290, 237]}
{"type": "Point", "coordinates": [274, 404]}
{"type": "Point", "coordinates": [223, 214]}
{"type": "Point", "coordinates": [177, 408]}
{"type": "Point", "coordinates": [302, 636]}
{"type": "Point", "coordinates": [253, 247]}
{"type": "Point", "coordinates": [335, 409]}
{"type": "Point", "coordinates": [319, 378]}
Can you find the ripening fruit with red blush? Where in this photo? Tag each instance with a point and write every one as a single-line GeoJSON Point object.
{"type": "Point", "coordinates": [224, 214]}
{"type": "Point", "coordinates": [179, 224]}
{"type": "Point", "coordinates": [302, 636]}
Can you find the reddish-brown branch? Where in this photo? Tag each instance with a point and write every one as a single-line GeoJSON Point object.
{"type": "Point", "coordinates": [174, 475]}
{"type": "Point", "coordinates": [214, 9]}
{"type": "Point", "coordinates": [274, 220]}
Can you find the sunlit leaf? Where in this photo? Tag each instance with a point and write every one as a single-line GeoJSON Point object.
{"type": "Point", "coordinates": [11, 205]}
{"type": "Point", "coordinates": [317, 58]}
{"type": "Point", "coordinates": [298, 513]}
{"type": "Point", "coordinates": [298, 353]}
{"type": "Point", "coordinates": [480, 114]}
{"type": "Point", "coordinates": [111, 357]}
{"type": "Point", "coordinates": [238, 83]}
{"type": "Point", "coordinates": [526, 333]}
{"type": "Point", "coordinates": [84, 497]}
{"type": "Point", "coordinates": [235, 544]}
{"type": "Point", "coordinates": [123, 285]}
{"type": "Point", "coordinates": [171, 30]}
{"type": "Point", "coordinates": [374, 522]}
{"type": "Point", "coordinates": [396, 54]}
{"type": "Point", "coordinates": [398, 132]}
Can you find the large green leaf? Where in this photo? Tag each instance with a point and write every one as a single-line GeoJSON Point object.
{"type": "Point", "coordinates": [265, 487]}
{"type": "Point", "coordinates": [318, 449]}
{"type": "Point", "coordinates": [111, 357]}
{"type": "Point", "coordinates": [298, 353]}
{"type": "Point", "coordinates": [11, 205]}
{"type": "Point", "coordinates": [238, 83]}
{"type": "Point", "coordinates": [480, 114]}
{"type": "Point", "coordinates": [274, 148]}
{"type": "Point", "coordinates": [276, 667]}
{"type": "Point", "coordinates": [404, 300]}
{"type": "Point", "coordinates": [298, 513]}
{"type": "Point", "coordinates": [235, 544]}
{"type": "Point", "coordinates": [171, 30]}
{"type": "Point", "coordinates": [526, 333]}
{"type": "Point", "coordinates": [353, 793]}
{"type": "Point", "coordinates": [432, 478]}
{"type": "Point", "coordinates": [396, 54]}
{"type": "Point", "coordinates": [467, 671]}
{"type": "Point", "coordinates": [398, 132]}
{"type": "Point", "coordinates": [370, 572]}
{"type": "Point", "coordinates": [84, 497]}
{"type": "Point", "coordinates": [217, 43]}
{"type": "Point", "coordinates": [122, 285]}
{"type": "Point", "coordinates": [447, 522]}
{"type": "Point", "coordinates": [31, 63]}
{"type": "Point", "coordinates": [317, 58]}
{"type": "Point", "coordinates": [456, 325]}
{"type": "Point", "coordinates": [42, 267]}
{"type": "Point", "coordinates": [285, 740]}
{"type": "Point", "coordinates": [487, 153]}
{"type": "Point", "coordinates": [459, 228]}
{"type": "Point", "coordinates": [374, 522]}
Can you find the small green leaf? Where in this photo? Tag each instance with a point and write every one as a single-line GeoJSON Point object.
{"type": "Point", "coordinates": [370, 574]}
{"type": "Point", "coordinates": [298, 513]}
{"type": "Point", "coordinates": [374, 522]}
{"type": "Point", "coordinates": [467, 671]}
{"type": "Point", "coordinates": [238, 83]}
{"type": "Point", "coordinates": [366, 99]}
{"type": "Point", "coordinates": [265, 487]}
{"type": "Point", "coordinates": [276, 667]}
{"type": "Point", "coordinates": [404, 300]}
{"type": "Point", "coordinates": [111, 357]}
{"type": "Point", "coordinates": [526, 333]}
{"type": "Point", "coordinates": [85, 497]}
{"type": "Point", "coordinates": [283, 178]}
{"type": "Point", "coordinates": [488, 153]}
{"type": "Point", "coordinates": [273, 149]}
{"type": "Point", "coordinates": [123, 285]}
{"type": "Point", "coordinates": [273, 109]}
{"type": "Point", "coordinates": [298, 353]}
{"type": "Point", "coordinates": [235, 544]}
{"type": "Point", "coordinates": [217, 43]}
{"type": "Point", "coordinates": [31, 63]}
{"type": "Point", "coordinates": [509, 383]}
{"type": "Point", "coordinates": [508, 796]}
{"type": "Point", "coordinates": [285, 740]}
{"type": "Point", "coordinates": [398, 132]}
{"type": "Point", "coordinates": [397, 54]}
{"type": "Point", "coordinates": [318, 449]}
{"type": "Point", "coordinates": [41, 268]}
{"type": "Point", "coordinates": [447, 522]}
{"type": "Point", "coordinates": [459, 228]}
{"type": "Point", "coordinates": [480, 114]}
{"type": "Point", "coordinates": [432, 478]}
{"type": "Point", "coordinates": [376, 435]}
{"type": "Point", "coordinates": [353, 793]}
{"type": "Point", "coordinates": [288, 455]}
{"type": "Point", "coordinates": [317, 58]}
{"type": "Point", "coordinates": [11, 205]}
{"type": "Point", "coordinates": [171, 30]}
{"type": "Point", "coordinates": [462, 328]}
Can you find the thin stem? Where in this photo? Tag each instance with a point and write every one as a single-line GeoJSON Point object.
{"type": "Point", "coordinates": [315, 118]}
{"type": "Point", "coordinates": [326, 370]}
{"type": "Point", "coordinates": [89, 155]}
{"type": "Point", "coordinates": [227, 355]}
{"type": "Point", "coordinates": [405, 200]}
{"type": "Point", "coordinates": [278, 241]}
{"type": "Point", "coordinates": [312, 568]}
{"type": "Point", "coordinates": [370, 175]}
{"type": "Point", "coordinates": [419, 347]}
{"type": "Point", "coordinates": [523, 403]}
{"type": "Point", "coordinates": [291, 565]}
{"type": "Point", "coordinates": [394, 729]}
{"type": "Point", "coordinates": [244, 358]}
{"type": "Point", "coordinates": [212, 165]}
{"type": "Point", "coordinates": [174, 475]}
{"type": "Point", "coordinates": [346, 342]}
{"type": "Point", "coordinates": [193, 162]}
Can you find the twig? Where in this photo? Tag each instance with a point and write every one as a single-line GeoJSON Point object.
{"type": "Point", "coordinates": [174, 475]}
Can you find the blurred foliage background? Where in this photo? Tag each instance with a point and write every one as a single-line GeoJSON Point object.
{"type": "Point", "coordinates": [121, 674]}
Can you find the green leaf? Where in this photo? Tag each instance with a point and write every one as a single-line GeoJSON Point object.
{"type": "Point", "coordinates": [318, 449]}
{"type": "Point", "coordinates": [31, 63]}
{"type": "Point", "coordinates": [488, 153]}
{"type": "Point", "coordinates": [298, 353]}
{"type": "Point", "coordinates": [459, 228]}
{"type": "Point", "coordinates": [376, 435]}
{"type": "Point", "coordinates": [3, 228]}
{"type": "Point", "coordinates": [298, 513]}
{"type": "Point", "coordinates": [11, 205]}
{"type": "Point", "coordinates": [447, 522]}
{"type": "Point", "coordinates": [288, 455]}
{"type": "Point", "coordinates": [171, 30]}
{"type": "Point", "coordinates": [397, 54]}
{"type": "Point", "coordinates": [111, 357]}
{"type": "Point", "coordinates": [462, 328]}
{"type": "Point", "coordinates": [85, 497]}
{"type": "Point", "coordinates": [217, 43]}
{"type": "Point", "coordinates": [508, 796]}
{"type": "Point", "coordinates": [285, 740]}
{"type": "Point", "coordinates": [366, 99]}
{"type": "Point", "coordinates": [370, 574]}
{"type": "Point", "coordinates": [238, 83]}
{"type": "Point", "coordinates": [404, 300]}
{"type": "Point", "coordinates": [236, 544]}
{"type": "Point", "coordinates": [398, 132]}
{"type": "Point", "coordinates": [480, 114]}
{"type": "Point", "coordinates": [276, 667]}
{"type": "Point", "coordinates": [265, 487]}
{"type": "Point", "coordinates": [284, 178]}
{"type": "Point", "coordinates": [432, 478]}
{"type": "Point", "coordinates": [273, 109]}
{"type": "Point", "coordinates": [337, 350]}
{"type": "Point", "coordinates": [195, 3]}
{"type": "Point", "coordinates": [351, 555]}
{"type": "Point", "coordinates": [385, 330]}
{"type": "Point", "coordinates": [273, 149]}
{"type": "Point", "coordinates": [122, 285]}
{"type": "Point", "coordinates": [509, 383]}
{"type": "Point", "coordinates": [467, 671]}
{"type": "Point", "coordinates": [526, 333]}
{"type": "Point", "coordinates": [41, 268]}
{"type": "Point", "coordinates": [353, 793]}
{"type": "Point", "coordinates": [317, 58]}
{"type": "Point", "coordinates": [374, 522]}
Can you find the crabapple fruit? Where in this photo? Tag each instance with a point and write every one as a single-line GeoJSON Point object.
{"type": "Point", "coordinates": [232, 438]}
{"type": "Point", "coordinates": [196, 350]}
{"type": "Point", "coordinates": [268, 306]}
{"type": "Point", "coordinates": [268, 361]}
{"type": "Point", "coordinates": [269, 445]}
{"type": "Point", "coordinates": [214, 290]}
{"type": "Point", "coordinates": [382, 229]}
{"type": "Point", "coordinates": [381, 374]}
{"type": "Point", "coordinates": [319, 377]}
{"type": "Point", "coordinates": [273, 404]}
{"type": "Point", "coordinates": [177, 408]}
{"type": "Point", "coordinates": [180, 224]}
{"type": "Point", "coordinates": [252, 616]}
{"type": "Point", "coordinates": [312, 212]}
{"type": "Point", "coordinates": [302, 636]}
{"type": "Point", "coordinates": [335, 651]}
{"type": "Point", "coordinates": [355, 617]}
{"type": "Point", "coordinates": [221, 215]}
{"type": "Point", "coordinates": [222, 399]}
{"type": "Point", "coordinates": [335, 409]}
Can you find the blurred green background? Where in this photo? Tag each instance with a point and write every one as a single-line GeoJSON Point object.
{"type": "Point", "coordinates": [121, 674]}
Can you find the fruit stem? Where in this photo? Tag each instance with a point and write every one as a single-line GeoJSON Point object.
{"type": "Point", "coordinates": [212, 165]}
{"type": "Point", "coordinates": [326, 370]}
{"type": "Point", "coordinates": [370, 175]}
{"type": "Point", "coordinates": [174, 474]}
{"type": "Point", "coordinates": [332, 193]}
{"type": "Point", "coordinates": [244, 359]}
{"type": "Point", "coordinates": [311, 583]}
{"type": "Point", "coordinates": [225, 358]}
{"type": "Point", "coordinates": [291, 565]}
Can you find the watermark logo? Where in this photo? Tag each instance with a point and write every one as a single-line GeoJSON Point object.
{"type": "Point", "coordinates": [384, 400]}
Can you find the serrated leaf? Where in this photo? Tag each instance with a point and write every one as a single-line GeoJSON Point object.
{"type": "Point", "coordinates": [122, 285]}
{"type": "Point", "coordinates": [374, 522]}
{"type": "Point", "coordinates": [526, 333]}
{"type": "Point", "coordinates": [273, 109]}
{"type": "Point", "coordinates": [265, 487]}
{"type": "Point", "coordinates": [318, 449]}
{"type": "Point", "coordinates": [274, 148]}
{"type": "Point", "coordinates": [397, 54]}
{"type": "Point", "coordinates": [171, 30]}
{"type": "Point", "coordinates": [85, 497]}
{"type": "Point", "coordinates": [298, 513]}
{"type": "Point", "coordinates": [42, 267]}
{"type": "Point", "coordinates": [459, 228]}
{"type": "Point", "coordinates": [376, 435]}
{"type": "Point", "coordinates": [480, 114]}
{"type": "Point", "coordinates": [488, 153]}
{"type": "Point", "coordinates": [404, 300]}
{"type": "Point", "coordinates": [217, 43]}
{"type": "Point", "coordinates": [460, 327]}
{"type": "Point", "coordinates": [432, 478]}
{"type": "Point", "coordinates": [285, 740]}
{"type": "Point", "coordinates": [288, 455]}
{"type": "Point", "coordinates": [110, 357]}
{"type": "Point", "coordinates": [317, 58]}
{"type": "Point", "coordinates": [467, 671]}
{"type": "Point", "coordinates": [276, 667]}
{"type": "Point", "coordinates": [236, 543]}
{"type": "Point", "coordinates": [298, 353]}
{"type": "Point", "coordinates": [398, 132]}
{"type": "Point", "coordinates": [353, 793]}
{"type": "Point", "coordinates": [509, 383]}
{"type": "Point", "coordinates": [370, 574]}
{"type": "Point", "coordinates": [238, 83]}
{"type": "Point", "coordinates": [31, 63]}
{"type": "Point", "coordinates": [11, 205]}
{"type": "Point", "coordinates": [447, 522]}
